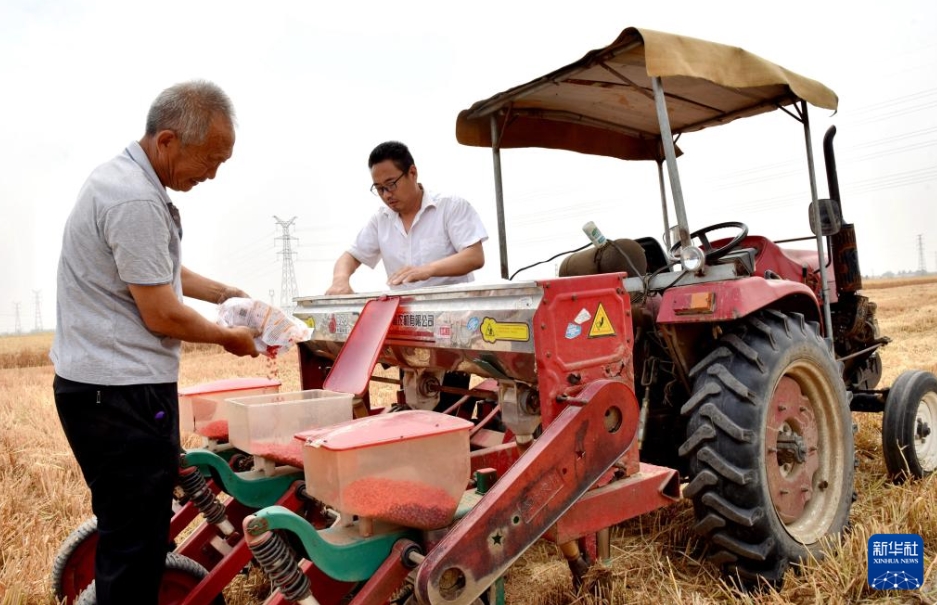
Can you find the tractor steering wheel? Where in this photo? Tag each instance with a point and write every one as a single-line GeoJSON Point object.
{"type": "Point", "coordinates": [713, 254]}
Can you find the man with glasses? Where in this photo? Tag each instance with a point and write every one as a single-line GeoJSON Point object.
{"type": "Point", "coordinates": [424, 238]}
{"type": "Point", "coordinates": [119, 322]}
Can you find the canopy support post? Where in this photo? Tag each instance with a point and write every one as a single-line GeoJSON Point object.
{"type": "Point", "coordinates": [666, 137]}
{"type": "Point", "coordinates": [821, 249]}
{"type": "Point", "coordinates": [499, 194]}
{"type": "Point", "coordinates": [663, 203]}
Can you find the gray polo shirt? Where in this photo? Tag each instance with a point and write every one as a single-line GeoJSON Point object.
{"type": "Point", "coordinates": [119, 232]}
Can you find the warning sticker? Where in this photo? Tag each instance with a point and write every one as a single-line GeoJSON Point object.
{"type": "Point", "coordinates": [493, 331]}
{"type": "Point", "coordinates": [601, 326]}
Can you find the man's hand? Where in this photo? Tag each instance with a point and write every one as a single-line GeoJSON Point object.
{"type": "Point", "coordinates": [339, 287]}
{"type": "Point", "coordinates": [464, 261]}
{"type": "Point", "coordinates": [345, 266]}
{"type": "Point", "coordinates": [409, 274]}
{"type": "Point", "coordinates": [232, 292]}
{"type": "Point", "coordinates": [240, 341]}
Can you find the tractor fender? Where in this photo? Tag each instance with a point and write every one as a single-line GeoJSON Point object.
{"type": "Point", "coordinates": [730, 300]}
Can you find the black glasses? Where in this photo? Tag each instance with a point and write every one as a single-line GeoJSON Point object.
{"type": "Point", "coordinates": [390, 187]}
{"type": "Point", "coordinates": [174, 213]}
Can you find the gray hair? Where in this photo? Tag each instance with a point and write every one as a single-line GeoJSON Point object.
{"type": "Point", "coordinates": [187, 109]}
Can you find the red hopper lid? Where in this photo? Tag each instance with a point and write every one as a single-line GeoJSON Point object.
{"type": "Point", "coordinates": [383, 428]}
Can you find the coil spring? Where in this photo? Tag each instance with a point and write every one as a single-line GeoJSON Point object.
{"type": "Point", "coordinates": [195, 487]}
{"type": "Point", "coordinates": [282, 570]}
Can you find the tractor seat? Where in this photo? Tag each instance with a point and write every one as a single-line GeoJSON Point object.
{"type": "Point", "coordinates": [622, 255]}
{"type": "Point", "coordinates": [654, 253]}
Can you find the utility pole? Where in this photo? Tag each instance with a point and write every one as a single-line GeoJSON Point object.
{"type": "Point", "coordinates": [18, 329]}
{"type": "Point", "coordinates": [921, 265]}
{"type": "Point", "coordinates": [288, 289]}
{"type": "Point", "coordinates": [38, 310]}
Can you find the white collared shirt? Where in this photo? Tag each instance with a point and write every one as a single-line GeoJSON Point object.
{"type": "Point", "coordinates": [444, 225]}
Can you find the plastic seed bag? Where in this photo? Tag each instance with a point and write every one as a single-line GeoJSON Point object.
{"type": "Point", "coordinates": [277, 330]}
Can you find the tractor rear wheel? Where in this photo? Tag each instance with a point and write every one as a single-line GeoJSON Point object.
{"type": "Point", "coordinates": [909, 441]}
{"type": "Point", "coordinates": [181, 577]}
{"type": "Point", "coordinates": [770, 446]}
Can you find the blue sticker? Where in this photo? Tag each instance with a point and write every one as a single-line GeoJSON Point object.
{"type": "Point", "coordinates": [573, 330]}
{"type": "Point", "coordinates": [472, 324]}
{"type": "Point", "coordinates": [896, 561]}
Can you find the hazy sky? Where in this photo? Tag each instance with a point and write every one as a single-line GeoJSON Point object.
{"type": "Point", "coordinates": [317, 85]}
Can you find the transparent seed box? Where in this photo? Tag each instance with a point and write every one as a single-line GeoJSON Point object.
{"type": "Point", "coordinates": [265, 425]}
{"type": "Point", "coordinates": [408, 468]}
{"type": "Point", "coordinates": [202, 407]}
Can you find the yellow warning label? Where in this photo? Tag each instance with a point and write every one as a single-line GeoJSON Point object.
{"type": "Point", "coordinates": [493, 331]}
{"type": "Point", "coordinates": [601, 326]}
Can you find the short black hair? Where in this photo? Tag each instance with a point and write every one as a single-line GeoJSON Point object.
{"type": "Point", "coordinates": [394, 151]}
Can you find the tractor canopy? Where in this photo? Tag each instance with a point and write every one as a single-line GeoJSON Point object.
{"type": "Point", "coordinates": [604, 104]}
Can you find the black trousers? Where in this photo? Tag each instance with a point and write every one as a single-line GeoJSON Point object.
{"type": "Point", "coordinates": [126, 441]}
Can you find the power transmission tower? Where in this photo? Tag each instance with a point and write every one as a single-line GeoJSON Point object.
{"type": "Point", "coordinates": [38, 310]}
{"type": "Point", "coordinates": [921, 266]}
{"type": "Point", "coordinates": [272, 293]}
{"type": "Point", "coordinates": [18, 326]}
{"type": "Point", "coordinates": [288, 289]}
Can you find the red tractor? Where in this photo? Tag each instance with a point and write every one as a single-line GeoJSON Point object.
{"type": "Point", "coordinates": [731, 365]}
{"type": "Point", "coordinates": [753, 352]}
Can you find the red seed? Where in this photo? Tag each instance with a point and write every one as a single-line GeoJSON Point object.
{"type": "Point", "coordinates": [408, 503]}
{"type": "Point", "coordinates": [216, 429]}
{"type": "Point", "coordinates": [280, 454]}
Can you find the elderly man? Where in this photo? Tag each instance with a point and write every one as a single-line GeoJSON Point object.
{"type": "Point", "coordinates": [120, 320]}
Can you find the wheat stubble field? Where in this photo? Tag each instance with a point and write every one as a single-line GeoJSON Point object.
{"type": "Point", "coordinates": [656, 559]}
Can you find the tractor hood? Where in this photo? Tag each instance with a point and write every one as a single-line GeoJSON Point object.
{"type": "Point", "coordinates": [603, 104]}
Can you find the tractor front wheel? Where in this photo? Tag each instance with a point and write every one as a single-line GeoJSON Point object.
{"type": "Point", "coordinates": [770, 446]}
{"type": "Point", "coordinates": [909, 441]}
